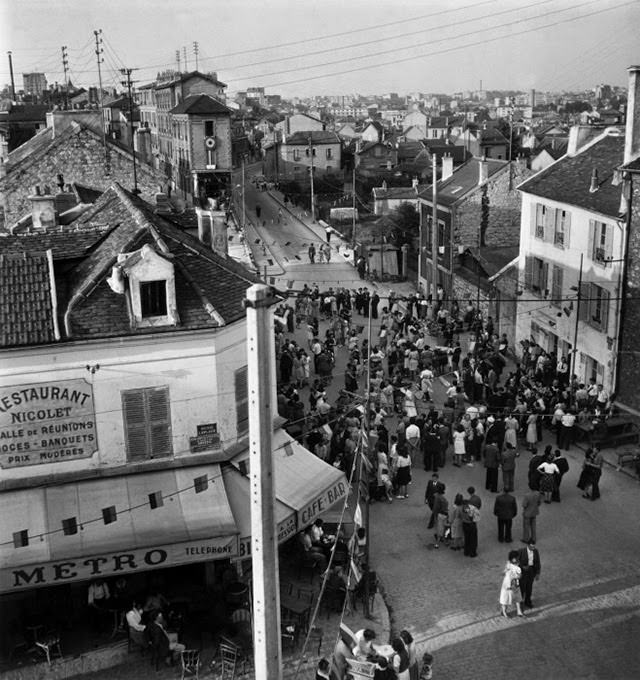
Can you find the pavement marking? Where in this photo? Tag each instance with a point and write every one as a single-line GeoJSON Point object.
{"type": "Point", "coordinates": [467, 626]}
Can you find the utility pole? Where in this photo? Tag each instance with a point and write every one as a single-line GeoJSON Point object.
{"type": "Point", "coordinates": [353, 210]}
{"type": "Point", "coordinates": [195, 52]}
{"type": "Point", "coordinates": [244, 209]}
{"type": "Point", "coordinates": [65, 67]}
{"type": "Point", "coordinates": [264, 546]}
{"type": "Point", "coordinates": [184, 54]}
{"type": "Point", "coordinates": [381, 251]}
{"type": "Point", "coordinates": [127, 83]}
{"type": "Point", "coordinates": [363, 475]}
{"type": "Point", "coordinates": [510, 142]}
{"type": "Point", "coordinates": [434, 229]}
{"type": "Point", "coordinates": [313, 209]}
{"type": "Point", "coordinates": [99, 51]}
{"type": "Point", "coordinates": [574, 353]}
{"type": "Point", "coordinates": [178, 60]}
{"type": "Point", "coordinates": [13, 82]}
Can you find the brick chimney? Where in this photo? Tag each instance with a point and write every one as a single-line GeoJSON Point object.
{"type": "Point", "coordinates": [43, 208]}
{"type": "Point", "coordinates": [632, 131]}
{"type": "Point", "coordinates": [447, 166]}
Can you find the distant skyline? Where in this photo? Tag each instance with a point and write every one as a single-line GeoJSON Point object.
{"type": "Point", "coordinates": [331, 47]}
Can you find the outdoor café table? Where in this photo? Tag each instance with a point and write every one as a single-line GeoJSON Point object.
{"type": "Point", "coordinates": [298, 610]}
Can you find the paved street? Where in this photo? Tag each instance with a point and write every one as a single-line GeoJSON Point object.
{"type": "Point", "coordinates": [586, 619]}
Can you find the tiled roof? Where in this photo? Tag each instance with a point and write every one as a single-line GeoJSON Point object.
{"type": "Point", "coordinates": [65, 243]}
{"type": "Point", "coordinates": [200, 103]}
{"type": "Point", "coordinates": [464, 180]}
{"type": "Point", "coordinates": [395, 193]}
{"type": "Point", "coordinates": [634, 165]}
{"type": "Point", "coordinates": [569, 179]}
{"type": "Point", "coordinates": [28, 112]}
{"type": "Point", "coordinates": [40, 140]}
{"type": "Point", "coordinates": [317, 137]}
{"type": "Point", "coordinates": [185, 76]}
{"type": "Point", "coordinates": [493, 260]}
{"type": "Point", "coordinates": [556, 150]}
{"type": "Point", "coordinates": [200, 273]}
{"type": "Point", "coordinates": [26, 309]}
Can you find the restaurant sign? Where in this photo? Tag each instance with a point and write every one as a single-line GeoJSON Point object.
{"type": "Point", "coordinates": [46, 423]}
{"type": "Point", "coordinates": [322, 503]}
{"type": "Point", "coordinates": [121, 563]}
{"type": "Point", "coordinates": [286, 529]}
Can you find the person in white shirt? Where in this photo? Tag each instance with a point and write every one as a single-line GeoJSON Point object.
{"type": "Point", "coordinates": [364, 643]}
{"type": "Point", "coordinates": [566, 435]}
{"type": "Point", "coordinates": [412, 433]}
{"type": "Point", "coordinates": [134, 618]}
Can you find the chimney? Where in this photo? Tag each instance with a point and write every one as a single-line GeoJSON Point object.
{"type": "Point", "coordinates": [632, 132]}
{"type": "Point", "coordinates": [447, 166]}
{"type": "Point", "coordinates": [205, 225]}
{"type": "Point", "coordinates": [414, 184]}
{"type": "Point", "coordinates": [578, 135]}
{"type": "Point", "coordinates": [220, 240]}
{"type": "Point", "coordinates": [43, 208]}
{"type": "Point", "coordinates": [483, 171]}
{"type": "Point", "coordinates": [594, 182]}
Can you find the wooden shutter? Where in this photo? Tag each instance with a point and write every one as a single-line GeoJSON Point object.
{"type": "Point", "coordinates": [135, 424]}
{"type": "Point", "coordinates": [544, 278]}
{"type": "Point", "coordinates": [159, 421]}
{"type": "Point", "coordinates": [585, 302]}
{"type": "Point", "coordinates": [242, 399]}
{"type": "Point", "coordinates": [528, 272]}
{"type": "Point", "coordinates": [556, 286]}
{"type": "Point", "coordinates": [604, 310]}
{"type": "Point", "coordinates": [550, 224]}
{"type": "Point", "coordinates": [592, 238]}
{"type": "Point", "coordinates": [608, 241]}
{"type": "Point", "coordinates": [567, 228]}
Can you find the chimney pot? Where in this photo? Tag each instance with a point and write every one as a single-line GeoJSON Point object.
{"type": "Point", "coordinates": [594, 181]}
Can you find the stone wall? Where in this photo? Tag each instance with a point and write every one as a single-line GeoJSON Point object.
{"type": "Point", "coordinates": [629, 356]}
{"type": "Point", "coordinates": [78, 155]}
{"type": "Point", "coordinates": [494, 209]}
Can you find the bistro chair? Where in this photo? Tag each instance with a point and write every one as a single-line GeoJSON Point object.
{"type": "Point", "coordinates": [289, 633]}
{"type": "Point", "coordinates": [190, 660]}
{"type": "Point", "coordinates": [316, 635]}
{"type": "Point", "coordinates": [49, 644]}
{"type": "Point", "coordinates": [228, 658]}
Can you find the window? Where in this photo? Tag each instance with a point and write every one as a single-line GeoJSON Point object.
{"type": "Point", "coordinates": [594, 306]}
{"type": "Point", "coordinates": [562, 223]}
{"type": "Point", "coordinates": [539, 222]}
{"type": "Point", "coordinates": [536, 275]}
{"type": "Point", "coordinates": [601, 241]}
{"type": "Point", "coordinates": [147, 422]}
{"type": "Point", "coordinates": [329, 153]}
{"type": "Point", "coordinates": [296, 154]}
{"type": "Point", "coordinates": [242, 399]}
{"type": "Point", "coordinates": [153, 298]}
{"type": "Point", "coordinates": [209, 128]}
{"type": "Point", "coordinates": [556, 286]}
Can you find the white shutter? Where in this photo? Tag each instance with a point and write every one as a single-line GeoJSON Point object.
{"type": "Point", "coordinates": [592, 236]}
{"type": "Point", "coordinates": [608, 242]}
{"type": "Point", "coordinates": [604, 311]}
{"type": "Point", "coordinates": [550, 224]}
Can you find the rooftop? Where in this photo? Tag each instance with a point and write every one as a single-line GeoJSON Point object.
{"type": "Point", "coordinates": [569, 179]}
{"type": "Point", "coordinates": [200, 104]}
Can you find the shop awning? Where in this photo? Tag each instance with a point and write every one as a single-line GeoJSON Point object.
{"type": "Point", "coordinates": [238, 491]}
{"type": "Point", "coordinates": [303, 481]}
{"type": "Point", "coordinates": [114, 526]}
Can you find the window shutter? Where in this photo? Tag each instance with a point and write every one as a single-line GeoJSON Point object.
{"type": "Point", "coordinates": [556, 286]}
{"type": "Point", "coordinates": [592, 235]}
{"type": "Point", "coordinates": [608, 242]}
{"type": "Point", "coordinates": [242, 399]}
{"type": "Point", "coordinates": [159, 422]}
{"type": "Point", "coordinates": [135, 424]}
{"type": "Point", "coordinates": [544, 278]}
{"type": "Point", "coordinates": [604, 313]}
{"type": "Point", "coordinates": [528, 272]}
{"type": "Point", "coordinates": [585, 302]}
{"type": "Point", "coordinates": [550, 224]}
{"type": "Point", "coordinates": [536, 217]}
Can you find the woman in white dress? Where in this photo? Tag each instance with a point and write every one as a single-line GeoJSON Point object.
{"type": "Point", "coordinates": [510, 589]}
{"type": "Point", "coordinates": [511, 428]}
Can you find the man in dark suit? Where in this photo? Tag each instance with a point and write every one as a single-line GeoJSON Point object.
{"type": "Point", "coordinates": [505, 509]}
{"type": "Point", "coordinates": [492, 464]}
{"type": "Point", "coordinates": [164, 646]}
{"type": "Point", "coordinates": [529, 558]}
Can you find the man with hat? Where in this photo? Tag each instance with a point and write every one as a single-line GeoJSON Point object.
{"type": "Point", "coordinates": [529, 559]}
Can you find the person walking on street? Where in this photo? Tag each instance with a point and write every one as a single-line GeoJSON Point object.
{"type": "Point", "coordinates": [594, 465]}
{"type": "Point", "coordinates": [470, 519]}
{"type": "Point", "coordinates": [530, 510]}
{"type": "Point", "coordinates": [312, 254]}
{"type": "Point", "coordinates": [505, 509]}
{"type": "Point", "coordinates": [429, 494]}
{"type": "Point", "coordinates": [492, 464]}
{"type": "Point", "coordinates": [563, 467]}
{"type": "Point", "coordinates": [508, 462]}
{"type": "Point", "coordinates": [510, 588]}
{"type": "Point", "coordinates": [529, 559]}
{"type": "Point", "coordinates": [441, 514]}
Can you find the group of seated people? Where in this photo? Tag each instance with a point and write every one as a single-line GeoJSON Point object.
{"type": "Point", "coordinates": [148, 628]}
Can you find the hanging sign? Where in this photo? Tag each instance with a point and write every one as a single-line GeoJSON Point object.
{"type": "Point", "coordinates": [46, 423]}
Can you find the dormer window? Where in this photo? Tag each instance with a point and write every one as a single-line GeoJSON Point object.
{"type": "Point", "coordinates": [152, 286]}
{"type": "Point", "coordinates": [153, 298]}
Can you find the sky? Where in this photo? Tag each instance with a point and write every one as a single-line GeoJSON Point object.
{"type": "Point", "coordinates": [331, 47]}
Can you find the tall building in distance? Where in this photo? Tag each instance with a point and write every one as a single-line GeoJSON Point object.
{"type": "Point", "coordinates": [34, 83]}
{"type": "Point", "coordinates": [532, 98]}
